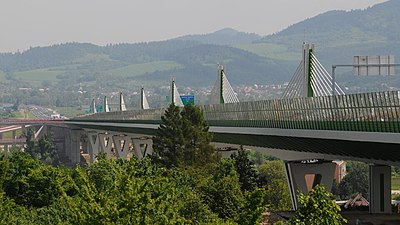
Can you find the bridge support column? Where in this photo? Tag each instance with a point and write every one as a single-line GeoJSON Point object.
{"type": "Point", "coordinates": [75, 146]}
{"type": "Point", "coordinates": [380, 189]}
{"type": "Point", "coordinates": [5, 147]}
{"type": "Point", "coordinates": [67, 144]}
{"type": "Point", "coordinates": [94, 145]}
{"type": "Point", "coordinates": [122, 145]}
{"type": "Point", "coordinates": [142, 147]}
{"type": "Point", "coordinates": [23, 129]}
{"type": "Point", "coordinates": [106, 144]}
{"type": "Point", "coordinates": [304, 176]}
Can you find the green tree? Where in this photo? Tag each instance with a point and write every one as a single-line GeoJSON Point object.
{"type": "Point", "coordinates": [46, 149]}
{"type": "Point", "coordinates": [182, 138]}
{"type": "Point", "coordinates": [248, 176]}
{"type": "Point", "coordinates": [43, 149]}
{"type": "Point", "coordinates": [30, 183]}
{"type": "Point", "coordinates": [198, 150]}
{"type": "Point", "coordinates": [6, 114]}
{"type": "Point", "coordinates": [317, 208]}
{"type": "Point", "coordinates": [30, 142]}
{"type": "Point", "coordinates": [356, 180]}
{"type": "Point", "coordinates": [221, 192]}
{"type": "Point", "coordinates": [169, 143]}
{"type": "Point", "coordinates": [277, 190]}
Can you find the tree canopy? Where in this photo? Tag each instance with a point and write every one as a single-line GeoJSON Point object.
{"type": "Point", "coordinates": [318, 208]}
{"type": "Point", "coordinates": [182, 138]}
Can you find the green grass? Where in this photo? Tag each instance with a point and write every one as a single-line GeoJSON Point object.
{"type": "Point", "coordinates": [70, 111]}
{"type": "Point", "coordinates": [271, 51]}
{"type": "Point", "coordinates": [39, 75]}
{"type": "Point", "coordinates": [9, 134]}
{"type": "Point", "coordinates": [24, 115]}
{"type": "Point", "coordinates": [395, 183]}
{"type": "Point", "coordinates": [142, 68]}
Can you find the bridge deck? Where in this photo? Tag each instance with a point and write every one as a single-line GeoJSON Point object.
{"type": "Point", "coordinates": [367, 112]}
{"type": "Point", "coordinates": [358, 126]}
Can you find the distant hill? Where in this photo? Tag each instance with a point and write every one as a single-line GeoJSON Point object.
{"type": "Point", "coordinates": [191, 62]}
{"type": "Point", "coordinates": [342, 34]}
{"type": "Point", "coordinates": [227, 36]}
{"type": "Point", "coordinates": [192, 59]}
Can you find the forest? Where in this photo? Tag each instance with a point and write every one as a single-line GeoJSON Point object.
{"type": "Point", "coordinates": [185, 181]}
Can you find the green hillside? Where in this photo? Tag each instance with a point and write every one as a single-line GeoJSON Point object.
{"type": "Point", "coordinates": [75, 72]}
{"type": "Point", "coordinates": [227, 36]}
{"type": "Point", "coordinates": [143, 68]}
{"type": "Point", "coordinates": [373, 30]}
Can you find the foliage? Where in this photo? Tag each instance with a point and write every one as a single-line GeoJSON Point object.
{"type": "Point", "coordinates": [277, 196]}
{"type": "Point", "coordinates": [255, 206]}
{"type": "Point", "coordinates": [192, 187]}
{"type": "Point", "coordinates": [183, 138]}
{"type": "Point", "coordinates": [30, 142]}
{"type": "Point", "coordinates": [6, 114]}
{"type": "Point", "coordinates": [221, 192]}
{"type": "Point", "coordinates": [356, 180]}
{"type": "Point", "coordinates": [43, 149]}
{"type": "Point", "coordinates": [248, 176]}
{"type": "Point", "coordinates": [317, 208]}
{"type": "Point", "coordinates": [30, 183]}
{"type": "Point", "coordinates": [259, 158]}
{"type": "Point", "coordinates": [123, 192]}
{"type": "Point", "coordinates": [168, 143]}
{"type": "Point", "coordinates": [198, 150]}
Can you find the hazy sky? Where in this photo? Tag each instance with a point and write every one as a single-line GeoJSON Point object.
{"type": "Point", "coordinates": [30, 23]}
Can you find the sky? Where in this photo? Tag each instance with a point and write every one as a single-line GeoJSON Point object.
{"type": "Point", "coordinates": [32, 23]}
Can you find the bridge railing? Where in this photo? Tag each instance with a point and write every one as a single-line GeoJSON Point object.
{"type": "Point", "coordinates": [377, 112]}
{"type": "Point", "coordinates": [372, 112]}
{"type": "Point", "coordinates": [150, 115]}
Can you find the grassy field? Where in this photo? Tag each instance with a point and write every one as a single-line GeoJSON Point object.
{"type": "Point", "coordinates": [395, 183]}
{"type": "Point", "coordinates": [24, 115]}
{"type": "Point", "coordinates": [38, 76]}
{"type": "Point", "coordinates": [142, 68]}
{"type": "Point", "coordinates": [69, 111]}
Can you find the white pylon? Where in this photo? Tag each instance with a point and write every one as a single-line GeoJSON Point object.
{"type": "Point", "coordinates": [105, 105]}
{"type": "Point", "coordinates": [222, 91]}
{"type": "Point", "coordinates": [122, 106]}
{"type": "Point", "coordinates": [310, 78]}
{"type": "Point", "coordinates": [175, 96]}
{"type": "Point", "coordinates": [143, 103]}
{"type": "Point", "coordinates": [93, 106]}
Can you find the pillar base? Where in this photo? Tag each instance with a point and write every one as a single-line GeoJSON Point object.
{"type": "Point", "coordinates": [304, 176]}
{"type": "Point", "coordinates": [380, 189]}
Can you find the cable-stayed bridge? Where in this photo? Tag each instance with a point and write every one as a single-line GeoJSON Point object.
{"type": "Point", "coordinates": [314, 120]}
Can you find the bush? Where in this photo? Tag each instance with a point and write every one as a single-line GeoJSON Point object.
{"type": "Point", "coordinates": [317, 208]}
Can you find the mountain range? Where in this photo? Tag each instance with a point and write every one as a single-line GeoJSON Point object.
{"type": "Point", "coordinates": [248, 58]}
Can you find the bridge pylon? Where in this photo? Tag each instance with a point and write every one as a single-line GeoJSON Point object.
{"type": "Point", "coordinates": [175, 96]}
{"type": "Point", "coordinates": [122, 106]}
{"type": "Point", "coordinates": [93, 106]}
{"type": "Point", "coordinates": [310, 79]}
{"type": "Point", "coordinates": [106, 108]}
{"type": "Point", "coordinates": [222, 91]}
{"type": "Point", "coordinates": [143, 103]}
